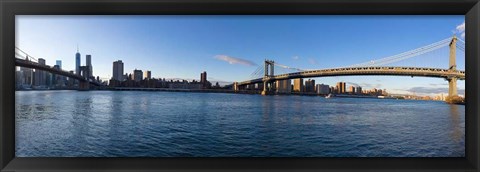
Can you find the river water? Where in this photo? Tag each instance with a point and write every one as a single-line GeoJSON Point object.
{"type": "Point", "coordinates": [177, 124]}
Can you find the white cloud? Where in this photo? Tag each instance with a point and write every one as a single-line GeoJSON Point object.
{"type": "Point", "coordinates": [312, 61]}
{"type": "Point", "coordinates": [461, 27]}
{"type": "Point", "coordinates": [461, 30]}
{"type": "Point", "coordinates": [295, 57]}
{"type": "Point", "coordinates": [234, 60]}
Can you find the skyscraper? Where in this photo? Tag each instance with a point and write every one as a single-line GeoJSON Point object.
{"type": "Point", "coordinates": [56, 79]}
{"type": "Point", "coordinates": [89, 64]}
{"type": "Point", "coordinates": [147, 74]}
{"type": "Point", "coordinates": [60, 80]}
{"type": "Point", "coordinates": [203, 77]}
{"type": "Point", "coordinates": [351, 89]}
{"type": "Point", "coordinates": [323, 89]}
{"type": "Point", "coordinates": [19, 81]}
{"type": "Point", "coordinates": [341, 87]}
{"type": "Point", "coordinates": [137, 75]}
{"type": "Point", "coordinates": [298, 85]}
{"type": "Point", "coordinates": [118, 70]}
{"type": "Point", "coordinates": [358, 90]}
{"type": "Point", "coordinates": [27, 75]}
{"type": "Point", "coordinates": [310, 85]}
{"type": "Point", "coordinates": [284, 86]}
{"type": "Point", "coordinates": [59, 63]}
{"type": "Point", "coordinates": [40, 77]}
{"type": "Point", "coordinates": [77, 62]}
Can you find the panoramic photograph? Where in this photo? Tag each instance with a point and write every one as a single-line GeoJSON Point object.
{"type": "Point", "coordinates": [240, 86]}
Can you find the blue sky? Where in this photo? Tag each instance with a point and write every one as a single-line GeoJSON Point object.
{"type": "Point", "coordinates": [184, 46]}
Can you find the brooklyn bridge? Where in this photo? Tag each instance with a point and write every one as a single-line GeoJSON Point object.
{"type": "Point", "coordinates": [22, 59]}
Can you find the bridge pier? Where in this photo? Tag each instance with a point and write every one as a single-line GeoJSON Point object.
{"type": "Point", "coordinates": [452, 87]}
{"type": "Point", "coordinates": [84, 86]}
{"type": "Point", "coordinates": [452, 82]}
{"type": "Point", "coordinates": [235, 86]}
{"type": "Point", "coordinates": [265, 88]}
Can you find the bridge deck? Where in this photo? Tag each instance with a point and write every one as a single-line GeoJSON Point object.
{"type": "Point", "coordinates": [389, 70]}
{"type": "Point", "coordinates": [33, 65]}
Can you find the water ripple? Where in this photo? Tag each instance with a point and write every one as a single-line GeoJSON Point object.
{"type": "Point", "coordinates": [171, 124]}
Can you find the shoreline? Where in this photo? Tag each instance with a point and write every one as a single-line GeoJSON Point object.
{"type": "Point", "coordinates": [252, 92]}
{"type": "Point", "coordinates": [207, 91]}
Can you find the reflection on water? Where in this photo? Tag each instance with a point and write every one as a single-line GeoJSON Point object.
{"type": "Point", "coordinates": [458, 133]}
{"type": "Point", "coordinates": [165, 124]}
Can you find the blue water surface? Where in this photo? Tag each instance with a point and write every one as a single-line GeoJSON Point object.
{"type": "Point", "coordinates": [180, 124]}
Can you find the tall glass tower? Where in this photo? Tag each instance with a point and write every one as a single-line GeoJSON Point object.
{"type": "Point", "coordinates": [77, 62]}
{"type": "Point", "coordinates": [89, 64]}
{"type": "Point", "coordinates": [59, 63]}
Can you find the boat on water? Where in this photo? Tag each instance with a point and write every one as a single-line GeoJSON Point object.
{"type": "Point", "coordinates": [329, 96]}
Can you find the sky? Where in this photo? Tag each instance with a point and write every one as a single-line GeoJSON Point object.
{"type": "Point", "coordinates": [231, 48]}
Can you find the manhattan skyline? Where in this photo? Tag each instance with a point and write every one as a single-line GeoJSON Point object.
{"type": "Point", "coordinates": [230, 48]}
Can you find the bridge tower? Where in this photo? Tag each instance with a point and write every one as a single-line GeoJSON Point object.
{"type": "Point", "coordinates": [269, 72]}
{"type": "Point", "coordinates": [235, 86]}
{"type": "Point", "coordinates": [452, 81]}
{"type": "Point", "coordinates": [84, 84]}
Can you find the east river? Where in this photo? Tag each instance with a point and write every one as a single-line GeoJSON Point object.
{"type": "Point", "coordinates": [178, 124]}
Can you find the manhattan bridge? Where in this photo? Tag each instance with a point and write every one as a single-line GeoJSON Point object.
{"type": "Point", "coordinates": [265, 78]}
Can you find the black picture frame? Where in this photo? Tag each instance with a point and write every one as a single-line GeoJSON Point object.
{"type": "Point", "coordinates": [10, 8]}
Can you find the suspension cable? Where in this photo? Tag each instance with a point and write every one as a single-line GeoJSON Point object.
{"type": "Point", "coordinates": [408, 54]}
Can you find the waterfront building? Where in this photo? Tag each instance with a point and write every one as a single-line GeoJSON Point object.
{"type": "Point", "coordinates": [19, 79]}
{"type": "Point", "coordinates": [310, 86]}
{"type": "Point", "coordinates": [384, 92]}
{"type": "Point", "coordinates": [137, 75]}
{"type": "Point", "coordinates": [89, 65]}
{"type": "Point", "coordinates": [58, 80]}
{"type": "Point", "coordinates": [71, 81]}
{"type": "Point", "coordinates": [374, 90]}
{"type": "Point", "coordinates": [340, 88]}
{"type": "Point", "coordinates": [147, 74]}
{"type": "Point", "coordinates": [204, 81]}
{"type": "Point", "coordinates": [351, 89]}
{"type": "Point", "coordinates": [40, 77]}
{"type": "Point", "coordinates": [77, 62]}
{"type": "Point", "coordinates": [298, 85]}
{"type": "Point", "coordinates": [203, 77]}
{"type": "Point", "coordinates": [27, 74]}
{"type": "Point", "coordinates": [118, 71]}
{"type": "Point", "coordinates": [323, 89]}
{"type": "Point", "coordinates": [48, 79]}
{"type": "Point", "coordinates": [440, 97]}
{"type": "Point", "coordinates": [358, 90]}
{"type": "Point", "coordinates": [283, 86]}
{"type": "Point", "coordinates": [185, 85]}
